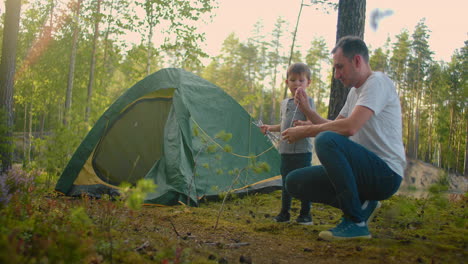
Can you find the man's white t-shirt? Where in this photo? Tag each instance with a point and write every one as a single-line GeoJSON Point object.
{"type": "Point", "coordinates": [382, 133]}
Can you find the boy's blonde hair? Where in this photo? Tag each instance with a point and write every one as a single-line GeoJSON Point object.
{"type": "Point", "coordinates": [299, 68]}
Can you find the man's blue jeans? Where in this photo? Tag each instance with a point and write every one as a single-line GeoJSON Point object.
{"type": "Point", "coordinates": [349, 175]}
{"type": "Point", "coordinates": [290, 162]}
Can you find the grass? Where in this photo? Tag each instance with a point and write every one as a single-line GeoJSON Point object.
{"type": "Point", "coordinates": [38, 226]}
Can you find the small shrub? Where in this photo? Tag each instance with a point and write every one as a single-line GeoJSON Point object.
{"type": "Point", "coordinates": [134, 197]}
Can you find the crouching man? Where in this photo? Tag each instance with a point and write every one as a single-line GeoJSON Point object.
{"type": "Point", "coordinates": [361, 152]}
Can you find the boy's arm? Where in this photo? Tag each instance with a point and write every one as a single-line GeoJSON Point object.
{"type": "Point", "coordinates": [271, 128]}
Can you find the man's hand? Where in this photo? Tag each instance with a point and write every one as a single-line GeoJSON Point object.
{"type": "Point", "coordinates": [294, 134]}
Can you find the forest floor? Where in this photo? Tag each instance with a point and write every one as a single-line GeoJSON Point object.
{"type": "Point", "coordinates": [39, 226]}
{"type": "Point", "coordinates": [405, 230]}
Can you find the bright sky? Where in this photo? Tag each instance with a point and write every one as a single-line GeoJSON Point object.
{"type": "Point", "coordinates": [446, 19]}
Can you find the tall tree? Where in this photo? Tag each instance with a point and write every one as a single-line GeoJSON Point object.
{"type": "Point", "coordinates": [7, 78]}
{"type": "Point", "coordinates": [275, 60]}
{"type": "Point", "coordinates": [351, 21]}
{"type": "Point", "coordinates": [379, 60]}
{"type": "Point", "coordinates": [261, 67]}
{"type": "Point", "coordinates": [35, 38]}
{"type": "Point", "coordinates": [231, 73]}
{"type": "Point", "coordinates": [317, 55]}
{"type": "Point", "coordinates": [419, 64]}
{"type": "Point", "coordinates": [76, 7]}
{"type": "Point", "coordinates": [249, 55]}
{"type": "Point", "coordinates": [97, 18]}
{"type": "Point", "coordinates": [453, 154]}
{"type": "Point", "coordinates": [399, 60]}
{"type": "Point", "coordinates": [464, 61]}
{"type": "Point", "coordinates": [180, 37]}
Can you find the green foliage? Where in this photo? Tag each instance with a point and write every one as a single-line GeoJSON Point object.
{"type": "Point", "coordinates": [16, 182]}
{"type": "Point", "coordinates": [227, 148]}
{"type": "Point", "coordinates": [134, 197]}
{"type": "Point", "coordinates": [54, 151]}
{"type": "Point", "coordinates": [78, 217]}
{"type": "Point", "coordinates": [6, 145]}
{"type": "Point", "coordinates": [37, 228]}
{"type": "Point", "coordinates": [224, 136]}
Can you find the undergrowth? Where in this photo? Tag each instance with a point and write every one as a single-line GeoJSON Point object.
{"type": "Point", "coordinates": [38, 226]}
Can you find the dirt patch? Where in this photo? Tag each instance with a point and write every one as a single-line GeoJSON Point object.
{"type": "Point", "coordinates": [419, 176]}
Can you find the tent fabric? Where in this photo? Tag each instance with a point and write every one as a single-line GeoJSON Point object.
{"type": "Point", "coordinates": [165, 128]}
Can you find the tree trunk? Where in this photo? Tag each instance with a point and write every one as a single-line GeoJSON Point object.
{"type": "Point", "coordinates": [41, 129]}
{"type": "Point", "coordinates": [416, 131]}
{"type": "Point", "coordinates": [71, 68]}
{"type": "Point", "coordinates": [273, 99]}
{"type": "Point", "coordinates": [28, 148]}
{"type": "Point", "coordinates": [351, 21]}
{"type": "Point", "coordinates": [466, 151]}
{"type": "Point", "coordinates": [106, 39]}
{"type": "Point", "coordinates": [292, 45]}
{"type": "Point", "coordinates": [450, 139]}
{"type": "Point", "coordinates": [24, 129]}
{"type": "Point", "coordinates": [149, 14]}
{"type": "Point", "coordinates": [7, 76]}
{"type": "Point", "coordinates": [93, 61]}
{"type": "Point", "coordinates": [260, 110]}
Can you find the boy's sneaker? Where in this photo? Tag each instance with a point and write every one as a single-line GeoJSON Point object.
{"type": "Point", "coordinates": [369, 209]}
{"type": "Point", "coordinates": [282, 218]}
{"type": "Point", "coordinates": [347, 229]}
{"type": "Point", "coordinates": [304, 219]}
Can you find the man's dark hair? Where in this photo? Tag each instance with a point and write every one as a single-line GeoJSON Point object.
{"type": "Point", "coordinates": [299, 68]}
{"type": "Point", "coordinates": [352, 46]}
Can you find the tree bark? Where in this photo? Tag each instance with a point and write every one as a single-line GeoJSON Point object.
{"type": "Point", "coordinates": [7, 76]}
{"type": "Point", "coordinates": [351, 21]}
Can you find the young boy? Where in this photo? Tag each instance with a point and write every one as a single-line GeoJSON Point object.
{"type": "Point", "coordinates": [298, 154]}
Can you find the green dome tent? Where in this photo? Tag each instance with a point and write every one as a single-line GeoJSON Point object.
{"type": "Point", "coordinates": [165, 128]}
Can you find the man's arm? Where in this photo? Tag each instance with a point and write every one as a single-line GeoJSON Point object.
{"type": "Point", "coordinates": [345, 126]}
{"type": "Point", "coordinates": [313, 117]}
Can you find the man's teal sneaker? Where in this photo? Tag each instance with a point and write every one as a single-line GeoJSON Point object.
{"type": "Point", "coordinates": [369, 209]}
{"type": "Point", "coordinates": [347, 229]}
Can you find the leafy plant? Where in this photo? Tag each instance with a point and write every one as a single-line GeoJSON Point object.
{"type": "Point", "coordinates": [135, 196]}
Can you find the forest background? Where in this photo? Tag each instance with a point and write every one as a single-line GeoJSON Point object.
{"type": "Point", "coordinates": [73, 61]}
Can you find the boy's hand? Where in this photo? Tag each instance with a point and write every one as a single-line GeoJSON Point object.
{"type": "Point", "coordinates": [264, 128]}
{"type": "Point", "coordinates": [301, 99]}
{"type": "Point", "coordinates": [301, 123]}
